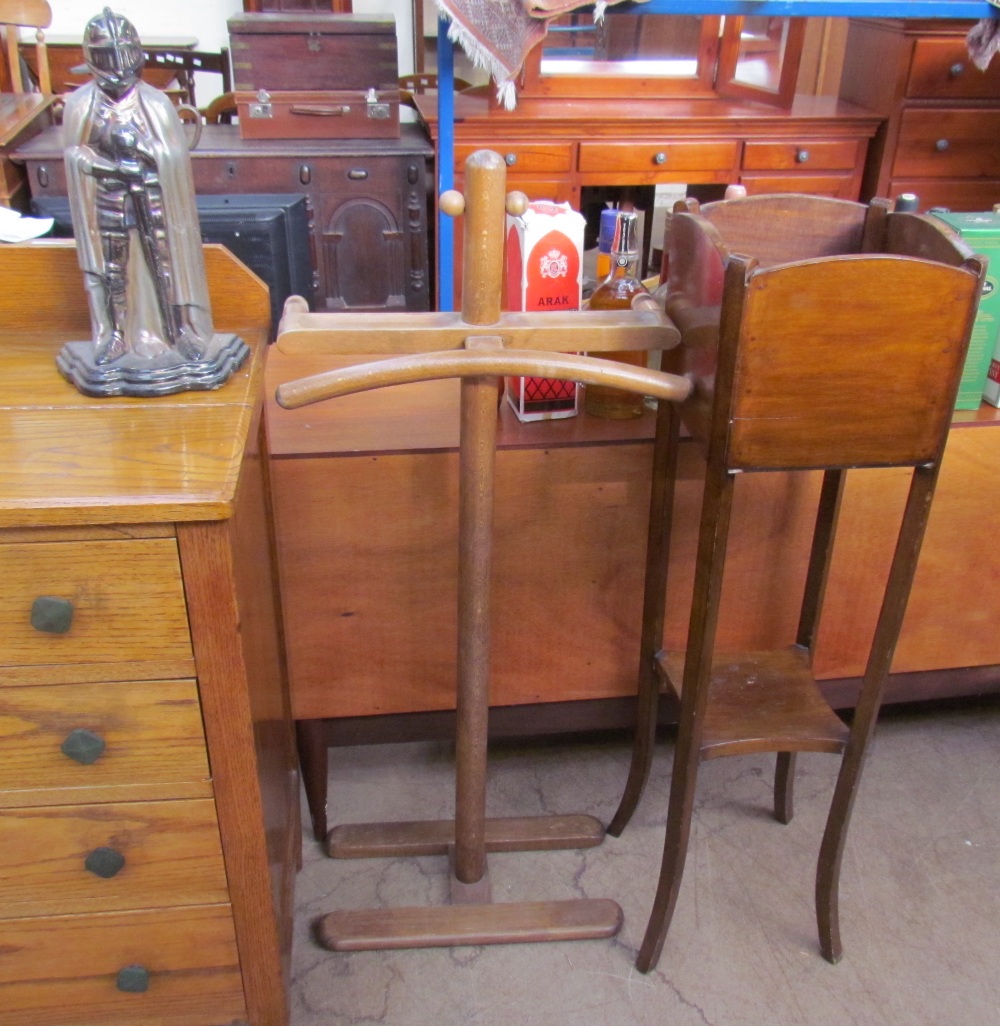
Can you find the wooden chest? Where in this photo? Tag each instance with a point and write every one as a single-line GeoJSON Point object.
{"type": "Point", "coordinates": [277, 51]}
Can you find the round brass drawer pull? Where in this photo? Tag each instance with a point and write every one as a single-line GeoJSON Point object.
{"type": "Point", "coordinates": [133, 979]}
{"type": "Point", "coordinates": [83, 746]}
{"type": "Point", "coordinates": [51, 615]}
{"type": "Point", "coordinates": [104, 862]}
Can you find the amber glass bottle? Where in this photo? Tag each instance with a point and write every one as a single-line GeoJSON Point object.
{"type": "Point", "coordinates": [617, 292]}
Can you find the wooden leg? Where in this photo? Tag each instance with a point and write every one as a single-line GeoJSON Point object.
{"type": "Point", "coordinates": [682, 791]}
{"type": "Point", "coordinates": [653, 611]}
{"type": "Point", "coordinates": [866, 712]}
{"type": "Point", "coordinates": [310, 736]}
{"type": "Point", "coordinates": [784, 786]}
{"type": "Point", "coordinates": [712, 538]}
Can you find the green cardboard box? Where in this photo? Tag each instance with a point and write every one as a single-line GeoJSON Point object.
{"type": "Point", "coordinates": [982, 233]}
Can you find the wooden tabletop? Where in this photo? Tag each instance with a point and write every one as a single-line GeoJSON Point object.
{"type": "Point", "coordinates": [70, 459]}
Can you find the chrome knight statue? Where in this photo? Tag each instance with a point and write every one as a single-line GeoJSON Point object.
{"type": "Point", "coordinates": [137, 233]}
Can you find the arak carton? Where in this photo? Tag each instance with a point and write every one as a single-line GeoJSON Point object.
{"type": "Point", "coordinates": [981, 375]}
{"type": "Point", "coordinates": [544, 271]}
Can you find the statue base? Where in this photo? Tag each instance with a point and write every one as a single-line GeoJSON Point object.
{"type": "Point", "coordinates": [162, 375]}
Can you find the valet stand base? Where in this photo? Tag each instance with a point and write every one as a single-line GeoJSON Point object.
{"type": "Point", "coordinates": [471, 918]}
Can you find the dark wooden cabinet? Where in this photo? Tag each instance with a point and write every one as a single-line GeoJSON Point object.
{"type": "Point", "coordinates": [940, 135]}
{"type": "Point", "coordinates": [367, 199]}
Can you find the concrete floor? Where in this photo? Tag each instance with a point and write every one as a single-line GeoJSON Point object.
{"type": "Point", "coordinates": [920, 891]}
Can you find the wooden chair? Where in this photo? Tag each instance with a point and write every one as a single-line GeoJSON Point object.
{"type": "Point", "coordinates": [185, 64]}
{"type": "Point", "coordinates": [478, 356]}
{"type": "Point", "coordinates": [17, 14]}
{"type": "Point", "coordinates": [422, 82]}
{"type": "Point", "coordinates": [846, 357]}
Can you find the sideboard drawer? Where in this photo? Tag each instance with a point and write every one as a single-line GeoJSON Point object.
{"type": "Point", "coordinates": [69, 970]}
{"type": "Point", "coordinates": [941, 70]}
{"type": "Point", "coordinates": [110, 858]}
{"type": "Point", "coordinates": [842, 186]}
{"type": "Point", "coordinates": [802, 155]}
{"type": "Point", "coordinates": [948, 144]}
{"type": "Point", "coordinates": [99, 603]}
{"type": "Point", "coordinates": [90, 742]}
{"type": "Point", "coordinates": [672, 155]}
{"type": "Point", "coordinates": [523, 158]}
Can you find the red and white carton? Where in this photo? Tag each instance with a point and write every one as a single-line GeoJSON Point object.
{"type": "Point", "coordinates": [544, 271]}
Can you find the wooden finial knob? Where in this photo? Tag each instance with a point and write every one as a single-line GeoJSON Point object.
{"type": "Point", "coordinates": [517, 203]}
{"type": "Point", "coordinates": [452, 203]}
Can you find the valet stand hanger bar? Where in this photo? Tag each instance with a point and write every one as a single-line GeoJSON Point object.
{"type": "Point", "coordinates": [472, 918]}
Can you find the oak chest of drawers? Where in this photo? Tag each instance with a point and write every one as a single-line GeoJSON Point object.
{"type": "Point", "coordinates": [148, 790]}
{"type": "Point", "coordinates": [941, 134]}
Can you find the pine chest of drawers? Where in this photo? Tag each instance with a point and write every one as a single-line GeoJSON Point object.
{"type": "Point", "coordinates": [941, 134]}
{"type": "Point", "coordinates": [148, 790]}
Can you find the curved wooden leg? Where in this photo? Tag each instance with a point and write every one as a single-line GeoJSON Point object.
{"type": "Point", "coordinates": [661, 500]}
{"type": "Point", "coordinates": [869, 701]}
{"type": "Point", "coordinates": [784, 785]}
{"type": "Point", "coordinates": [647, 706]}
{"type": "Point", "coordinates": [675, 845]}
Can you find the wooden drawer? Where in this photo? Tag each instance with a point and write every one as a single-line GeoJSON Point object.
{"type": "Point", "coordinates": [837, 186]}
{"type": "Point", "coordinates": [108, 858]}
{"type": "Point", "coordinates": [803, 155]}
{"type": "Point", "coordinates": [672, 155]}
{"type": "Point", "coordinates": [64, 970]}
{"type": "Point", "coordinates": [522, 158]}
{"type": "Point", "coordinates": [154, 743]}
{"type": "Point", "coordinates": [954, 193]}
{"type": "Point", "coordinates": [948, 144]}
{"type": "Point", "coordinates": [127, 602]}
{"type": "Point", "coordinates": [941, 70]}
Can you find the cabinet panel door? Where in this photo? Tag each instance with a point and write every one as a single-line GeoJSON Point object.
{"type": "Point", "coordinates": [372, 245]}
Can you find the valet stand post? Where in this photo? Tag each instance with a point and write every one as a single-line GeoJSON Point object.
{"type": "Point", "coordinates": [483, 332]}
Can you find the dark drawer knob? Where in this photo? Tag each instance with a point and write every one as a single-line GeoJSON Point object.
{"type": "Point", "coordinates": [133, 979]}
{"type": "Point", "coordinates": [305, 174]}
{"type": "Point", "coordinates": [51, 614]}
{"type": "Point", "coordinates": [510, 159]}
{"type": "Point", "coordinates": [357, 174]}
{"type": "Point", "coordinates": [941, 145]}
{"type": "Point", "coordinates": [42, 174]}
{"type": "Point", "coordinates": [104, 862]}
{"type": "Point", "coordinates": [83, 746]}
{"type": "Point", "coordinates": [660, 158]}
{"type": "Point", "coordinates": [956, 69]}
{"type": "Point", "coordinates": [801, 156]}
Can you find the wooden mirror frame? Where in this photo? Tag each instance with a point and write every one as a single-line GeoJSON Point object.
{"type": "Point", "coordinates": [731, 49]}
{"type": "Point", "coordinates": [610, 83]}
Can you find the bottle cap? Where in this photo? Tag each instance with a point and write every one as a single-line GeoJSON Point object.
{"type": "Point", "coordinates": [625, 240]}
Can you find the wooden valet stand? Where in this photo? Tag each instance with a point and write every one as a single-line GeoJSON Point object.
{"type": "Point", "coordinates": [474, 346]}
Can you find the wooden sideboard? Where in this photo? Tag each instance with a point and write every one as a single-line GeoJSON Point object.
{"type": "Point", "coordinates": [555, 148]}
{"type": "Point", "coordinates": [149, 833]}
{"type": "Point", "coordinates": [368, 204]}
{"type": "Point", "coordinates": [22, 115]}
{"type": "Point", "coordinates": [941, 134]}
{"type": "Point", "coordinates": [365, 517]}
